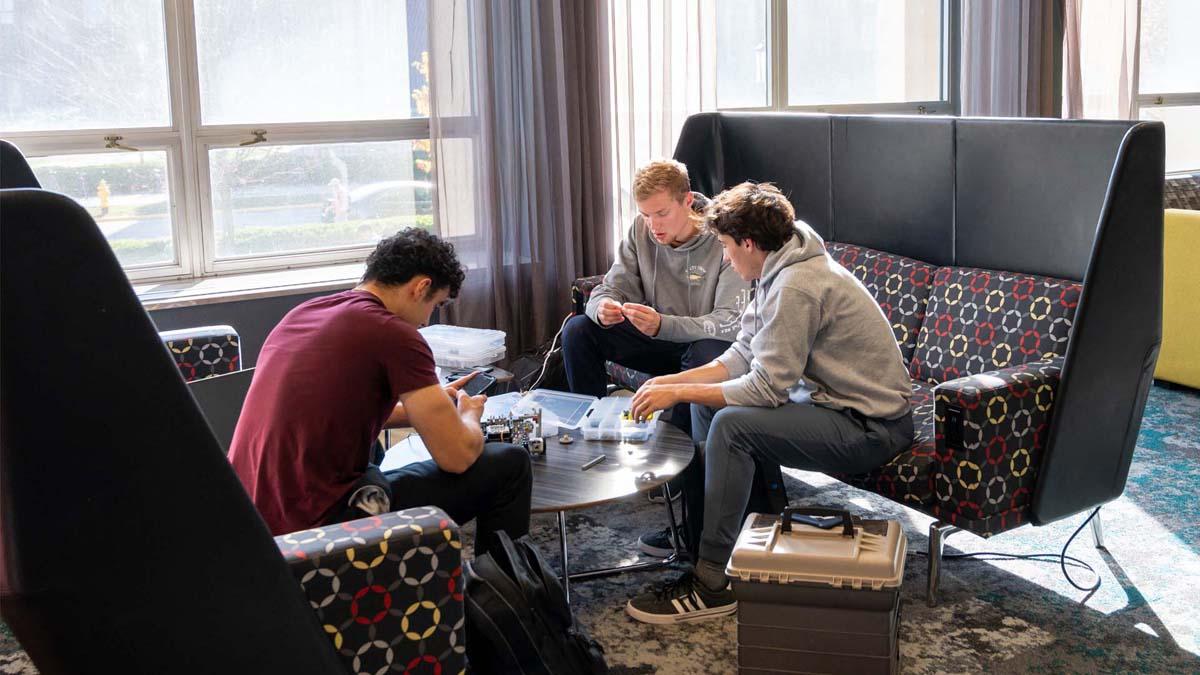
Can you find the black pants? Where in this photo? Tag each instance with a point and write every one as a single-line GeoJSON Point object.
{"type": "Point", "coordinates": [586, 346]}
{"type": "Point", "coordinates": [495, 491]}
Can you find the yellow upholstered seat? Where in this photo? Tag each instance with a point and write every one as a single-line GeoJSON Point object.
{"type": "Point", "coordinates": [1179, 360]}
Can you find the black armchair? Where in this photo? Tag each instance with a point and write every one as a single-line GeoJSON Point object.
{"type": "Point", "coordinates": [133, 548]}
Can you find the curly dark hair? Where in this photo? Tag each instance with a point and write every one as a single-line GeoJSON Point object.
{"type": "Point", "coordinates": [755, 211]}
{"type": "Point", "coordinates": [413, 251]}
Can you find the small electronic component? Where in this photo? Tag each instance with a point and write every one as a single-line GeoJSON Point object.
{"type": "Point", "coordinates": [524, 430]}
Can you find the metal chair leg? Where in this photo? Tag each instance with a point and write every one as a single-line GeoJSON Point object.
{"type": "Point", "coordinates": [562, 542]}
{"type": "Point", "coordinates": [1098, 531]}
{"type": "Point", "coordinates": [938, 531]}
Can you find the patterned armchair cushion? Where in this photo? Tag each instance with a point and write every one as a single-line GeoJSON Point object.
{"type": "Point", "coordinates": [900, 285]}
{"type": "Point", "coordinates": [388, 590]}
{"type": "Point", "coordinates": [991, 429]}
{"type": "Point", "coordinates": [581, 290]}
{"type": "Point", "coordinates": [979, 320]}
{"type": "Point", "coordinates": [205, 351]}
{"type": "Point", "coordinates": [908, 478]}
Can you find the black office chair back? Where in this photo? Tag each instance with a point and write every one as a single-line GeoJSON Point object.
{"type": "Point", "coordinates": [129, 545]}
{"type": "Point", "coordinates": [220, 399]}
{"type": "Point", "coordinates": [14, 170]}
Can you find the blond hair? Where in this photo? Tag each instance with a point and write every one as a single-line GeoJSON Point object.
{"type": "Point", "coordinates": [659, 175]}
{"type": "Point", "coordinates": [668, 175]}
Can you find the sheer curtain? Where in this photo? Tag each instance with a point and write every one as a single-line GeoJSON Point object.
{"type": "Point", "coordinates": [520, 142]}
{"type": "Point", "coordinates": [1008, 57]}
{"type": "Point", "coordinates": [1100, 58]}
{"type": "Point", "coordinates": [663, 69]}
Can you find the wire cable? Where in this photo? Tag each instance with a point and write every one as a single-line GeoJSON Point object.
{"type": "Point", "coordinates": [1061, 557]}
{"type": "Point", "coordinates": [550, 351]}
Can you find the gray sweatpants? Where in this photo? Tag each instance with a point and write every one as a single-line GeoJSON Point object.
{"type": "Point", "coordinates": [796, 435]}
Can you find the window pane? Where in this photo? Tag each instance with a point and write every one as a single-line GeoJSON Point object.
{"type": "Point", "coordinates": [864, 51]}
{"type": "Point", "coordinates": [284, 61]}
{"type": "Point", "coordinates": [743, 56]}
{"type": "Point", "coordinates": [1183, 135]}
{"type": "Point", "coordinates": [1170, 58]}
{"type": "Point", "coordinates": [83, 65]}
{"type": "Point", "coordinates": [126, 192]}
{"type": "Point", "coordinates": [292, 198]}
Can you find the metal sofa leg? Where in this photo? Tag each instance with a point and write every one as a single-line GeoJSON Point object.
{"type": "Point", "coordinates": [1098, 531]}
{"type": "Point", "coordinates": [938, 531]}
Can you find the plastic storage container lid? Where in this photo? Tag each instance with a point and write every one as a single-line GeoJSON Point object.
{"type": "Point", "coordinates": [465, 359]}
{"type": "Point", "coordinates": [455, 339]}
{"type": "Point", "coordinates": [872, 557]}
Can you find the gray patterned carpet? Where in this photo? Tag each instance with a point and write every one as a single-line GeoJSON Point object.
{"type": "Point", "coordinates": [994, 617]}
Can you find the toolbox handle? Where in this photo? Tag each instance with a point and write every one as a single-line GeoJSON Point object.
{"type": "Point", "coordinates": [803, 514]}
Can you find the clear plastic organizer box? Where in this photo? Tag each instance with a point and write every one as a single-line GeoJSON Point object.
{"type": "Point", "coordinates": [459, 347]}
{"type": "Point", "coordinates": [607, 420]}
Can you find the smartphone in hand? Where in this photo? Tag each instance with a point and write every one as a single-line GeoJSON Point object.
{"type": "Point", "coordinates": [480, 384]}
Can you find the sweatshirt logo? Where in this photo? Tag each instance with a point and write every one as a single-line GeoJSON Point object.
{"type": "Point", "coordinates": [695, 275]}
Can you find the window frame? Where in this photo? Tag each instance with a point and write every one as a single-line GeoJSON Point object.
{"type": "Point", "coordinates": [778, 85]}
{"type": "Point", "coordinates": [1174, 100]}
{"type": "Point", "coordinates": [187, 142]}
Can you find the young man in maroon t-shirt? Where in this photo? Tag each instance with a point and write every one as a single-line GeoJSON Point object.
{"type": "Point", "coordinates": [337, 370]}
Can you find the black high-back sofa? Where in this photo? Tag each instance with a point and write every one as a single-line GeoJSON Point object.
{"type": "Point", "coordinates": [1020, 261]}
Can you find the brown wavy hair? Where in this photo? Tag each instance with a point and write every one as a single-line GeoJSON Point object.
{"type": "Point", "coordinates": [755, 211]}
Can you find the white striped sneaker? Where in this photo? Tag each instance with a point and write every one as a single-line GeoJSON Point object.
{"type": "Point", "coordinates": [685, 599]}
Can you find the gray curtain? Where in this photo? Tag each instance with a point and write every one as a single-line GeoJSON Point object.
{"type": "Point", "coordinates": [1011, 51]}
{"type": "Point", "coordinates": [521, 144]}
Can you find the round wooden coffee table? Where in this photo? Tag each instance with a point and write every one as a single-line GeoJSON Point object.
{"type": "Point", "coordinates": [560, 483]}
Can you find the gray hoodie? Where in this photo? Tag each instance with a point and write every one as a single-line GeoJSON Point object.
{"type": "Point", "coordinates": [697, 293]}
{"type": "Point", "coordinates": [814, 333]}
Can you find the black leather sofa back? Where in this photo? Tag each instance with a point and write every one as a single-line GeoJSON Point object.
{"type": "Point", "coordinates": [1075, 199]}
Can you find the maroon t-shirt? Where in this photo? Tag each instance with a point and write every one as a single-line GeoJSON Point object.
{"type": "Point", "coordinates": [326, 381]}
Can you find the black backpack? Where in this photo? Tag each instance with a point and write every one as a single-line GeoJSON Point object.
{"type": "Point", "coordinates": [518, 619]}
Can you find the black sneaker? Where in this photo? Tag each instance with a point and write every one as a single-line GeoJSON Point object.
{"type": "Point", "coordinates": [658, 543]}
{"type": "Point", "coordinates": [685, 599]}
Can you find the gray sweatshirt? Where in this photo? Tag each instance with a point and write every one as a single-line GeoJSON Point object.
{"type": "Point", "coordinates": [814, 333]}
{"type": "Point", "coordinates": [697, 293]}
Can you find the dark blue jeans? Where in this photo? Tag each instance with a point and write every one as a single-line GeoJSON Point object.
{"type": "Point", "coordinates": [586, 346]}
{"type": "Point", "coordinates": [495, 491]}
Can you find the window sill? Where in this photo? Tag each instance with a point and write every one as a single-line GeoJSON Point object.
{"type": "Point", "coordinates": [239, 287]}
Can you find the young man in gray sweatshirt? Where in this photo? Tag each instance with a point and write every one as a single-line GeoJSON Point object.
{"type": "Point", "coordinates": [670, 302]}
{"type": "Point", "coordinates": [814, 381]}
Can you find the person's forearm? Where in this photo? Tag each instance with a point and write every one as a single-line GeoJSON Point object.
{"type": "Point", "coordinates": [710, 373]}
{"type": "Point", "coordinates": [473, 431]}
{"type": "Point", "coordinates": [706, 394]}
{"type": "Point", "coordinates": [398, 418]}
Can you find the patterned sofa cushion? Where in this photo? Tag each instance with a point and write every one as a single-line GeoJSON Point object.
{"type": "Point", "coordinates": [1182, 193]}
{"type": "Point", "coordinates": [908, 478]}
{"type": "Point", "coordinates": [205, 351]}
{"type": "Point", "coordinates": [623, 377]}
{"type": "Point", "coordinates": [900, 285]}
{"type": "Point", "coordinates": [980, 320]}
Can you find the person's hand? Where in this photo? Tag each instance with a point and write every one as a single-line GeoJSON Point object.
{"type": "Point", "coordinates": [454, 387]}
{"type": "Point", "coordinates": [470, 404]}
{"type": "Point", "coordinates": [609, 312]}
{"type": "Point", "coordinates": [650, 398]}
{"type": "Point", "coordinates": [643, 317]}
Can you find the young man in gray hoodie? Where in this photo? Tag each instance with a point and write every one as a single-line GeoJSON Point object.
{"type": "Point", "coordinates": [670, 302]}
{"type": "Point", "coordinates": [815, 381]}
